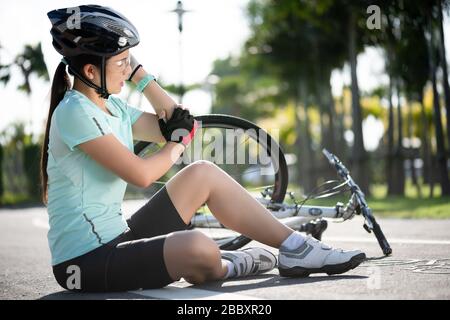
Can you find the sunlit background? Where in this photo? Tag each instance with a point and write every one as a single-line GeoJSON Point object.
{"type": "Point", "coordinates": [212, 30]}
{"type": "Point", "coordinates": [217, 61]}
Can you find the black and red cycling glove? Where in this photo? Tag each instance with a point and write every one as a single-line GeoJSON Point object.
{"type": "Point", "coordinates": [180, 128]}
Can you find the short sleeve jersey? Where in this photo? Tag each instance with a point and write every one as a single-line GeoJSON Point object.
{"type": "Point", "coordinates": [84, 198]}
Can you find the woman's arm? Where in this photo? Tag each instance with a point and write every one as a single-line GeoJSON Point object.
{"type": "Point", "coordinates": [146, 128]}
{"type": "Point", "coordinates": [142, 172]}
{"type": "Point", "coordinates": [156, 95]}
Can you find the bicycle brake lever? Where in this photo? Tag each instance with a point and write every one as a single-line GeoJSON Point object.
{"type": "Point", "coordinates": [333, 160]}
{"type": "Point", "coordinates": [328, 155]}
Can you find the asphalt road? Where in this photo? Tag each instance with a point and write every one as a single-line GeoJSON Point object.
{"type": "Point", "coordinates": [418, 269]}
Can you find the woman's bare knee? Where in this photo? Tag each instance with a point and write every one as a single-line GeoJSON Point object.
{"type": "Point", "coordinates": [192, 255]}
{"type": "Point", "coordinates": [186, 199]}
{"type": "Point", "coordinates": [203, 170]}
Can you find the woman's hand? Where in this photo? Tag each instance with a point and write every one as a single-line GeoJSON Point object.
{"type": "Point", "coordinates": [180, 128]}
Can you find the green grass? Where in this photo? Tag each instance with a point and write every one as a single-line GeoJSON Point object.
{"type": "Point", "coordinates": [403, 207]}
{"type": "Point", "coordinates": [411, 205]}
{"type": "Point", "coordinates": [12, 199]}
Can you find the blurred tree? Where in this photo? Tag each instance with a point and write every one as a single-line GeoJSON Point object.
{"type": "Point", "coordinates": [243, 89]}
{"type": "Point", "coordinates": [5, 72]}
{"type": "Point", "coordinates": [31, 161]}
{"type": "Point", "coordinates": [302, 51]}
{"type": "Point", "coordinates": [426, 148]}
{"type": "Point", "coordinates": [245, 92]}
{"type": "Point", "coordinates": [278, 50]}
{"type": "Point", "coordinates": [444, 5]}
{"type": "Point", "coordinates": [2, 190]}
{"type": "Point", "coordinates": [31, 61]}
{"type": "Point", "coordinates": [389, 39]}
{"type": "Point", "coordinates": [408, 65]}
{"type": "Point", "coordinates": [13, 139]}
{"type": "Point", "coordinates": [411, 154]}
{"type": "Point", "coordinates": [300, 42]}
{"type": "Point", "coordinates": [429, 9]}
{"type": "Point", "coordinates": [413, 70]}
{"type": "Point", "coordinates": [4, 77]}
{"type": "Point", "coordinates": [180, 90]}
{"type": "Point", "coordinates": [359, 154]}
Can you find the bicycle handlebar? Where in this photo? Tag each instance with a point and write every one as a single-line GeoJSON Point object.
{"type": "Point", "coordinates": [370, 222]}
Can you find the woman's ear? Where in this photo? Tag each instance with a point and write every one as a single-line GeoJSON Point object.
{"type": "Point", "coordinates": [89, 71]}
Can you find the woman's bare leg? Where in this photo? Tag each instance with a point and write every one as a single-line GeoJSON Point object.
{"type": "Point", "coordinates": [193, 256]}
{"type": "Point", "coordinates": [204, 182]}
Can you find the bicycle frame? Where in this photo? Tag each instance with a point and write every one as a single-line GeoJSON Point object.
{"type": "Point", "coordinates": [294, 215]}
{"type": "Point", "coordinates": [291, 215]}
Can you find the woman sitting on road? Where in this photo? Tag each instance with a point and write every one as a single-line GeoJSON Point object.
{"type": "Point", "coordinates": [88, 159]}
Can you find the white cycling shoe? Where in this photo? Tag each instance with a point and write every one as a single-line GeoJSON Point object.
{"type": "Point", "coordinates": [250, 261]}
{"type": "Point", "coordinates": [315, 257]}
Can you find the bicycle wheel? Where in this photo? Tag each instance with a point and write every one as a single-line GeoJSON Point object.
{"type": "Point", "coordinates": [239, 147]}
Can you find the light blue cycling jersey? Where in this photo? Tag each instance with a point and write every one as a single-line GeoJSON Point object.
{"type": "Point", "coordinates": [84, 198]}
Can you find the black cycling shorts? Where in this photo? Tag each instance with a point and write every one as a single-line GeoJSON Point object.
{"type": "Point", "coordinates": [134, 259]}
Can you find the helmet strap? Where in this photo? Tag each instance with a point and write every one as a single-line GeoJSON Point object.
{"type": "Point", "coordinates": [102, 91]}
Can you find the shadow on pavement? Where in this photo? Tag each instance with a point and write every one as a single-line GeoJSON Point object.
{"type": "Point", "coordinates": [67, 295]}
{"type": "Point", "coordinates": [270, 281]}
{"type": "Point", "coordinates": [228, 286]}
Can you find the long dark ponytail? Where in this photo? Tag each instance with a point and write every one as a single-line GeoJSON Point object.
{"type": "Point", "coordinates": [61, 83]}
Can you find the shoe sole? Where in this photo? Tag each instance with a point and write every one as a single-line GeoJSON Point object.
{"type": "Point", "coordinates": [329, 269]}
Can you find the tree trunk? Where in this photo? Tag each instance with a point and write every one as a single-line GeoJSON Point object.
{"type": "Point", "coordinates": [444, 70]}
{"type": "Point", "coordinates": [390, 150]}
{"type": "Point", "coordinates": [399, 170]}
{"type": "Point", "coordinates": [360, 169]}
{"type": "Point", "coordinates": [323, 114]}
{"type": "Point", "coordinates": [310, 165]}
{"type": "Point", "coordinates": [299, 140]}
{"type": "Point", "coordinates": [440, 142]}
{"type": "Point", "coordinates": [340, 116]}
{"type": "Point", "coordinates": [441, 156]}
{"type": "Point", "coordinates": [426, 171]}
{"type": "Point", "coordinates": [411, 153]}
{"type": "Point", "coordinates": [332, 115]}
{"type": "Point", "coordinates": [327, 129]}
{"type": "Point", "coordinates": [2, 190]}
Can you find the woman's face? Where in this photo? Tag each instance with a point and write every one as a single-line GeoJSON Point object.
{"type": "Point", "coordinates": [118, 70]}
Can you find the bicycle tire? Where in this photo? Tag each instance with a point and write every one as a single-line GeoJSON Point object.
{"type": "Point", "coordinates": [281, 175]}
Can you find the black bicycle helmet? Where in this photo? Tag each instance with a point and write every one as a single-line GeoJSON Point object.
{"type": "Point", "coordinates": [93, 30]}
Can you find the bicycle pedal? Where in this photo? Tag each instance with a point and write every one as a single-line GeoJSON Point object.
{"type": "Point", "coordinates": [315, 229]}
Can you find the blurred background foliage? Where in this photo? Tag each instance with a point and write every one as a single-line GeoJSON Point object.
{"type": "Point", "coordinates": [282, 79]}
